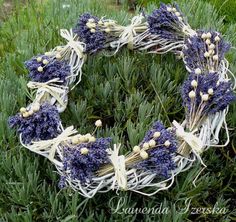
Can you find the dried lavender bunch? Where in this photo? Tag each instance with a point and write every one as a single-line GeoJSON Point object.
{"type": "Point", "coordinates": [169, 23]}
{"type": "Point", "coordinates": [204, 52]}
{"type": "Point", "coordinates": [43, 68]}
{"type": "Point", "coordinates": [103, 33]}
{"type": "Point", "coordinates": [204, 95]}
{"type": "Point", "coordinates": [80, 162]}
{"type": "Point", "coordinates": [36, 123]}
{"type": "Point", "coordinates": [88, 31]}
{"type": "Point", "coordinates": [155, 152]}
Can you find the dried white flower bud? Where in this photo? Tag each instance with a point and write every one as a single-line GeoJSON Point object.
{"type": "Point", "coordinates": [83, 139]}
{"type": "Point", "coordinates": [98, 123]}
{"type": "Point", "coordinates": [215, 57]}
{"type": "Point", "coordinates": [208, 41]}
{"type": "Point", "coordinates": [47, 53]}
{"type": "Point", "coordinates": [204, 36]}
{"type": "Point", "coordinates": [206, 54]}
{"type": "Point", "coordinates": [136, 149]}
{"type": "Point", "coordinates": [84, 151]}
{"type": "Point", "coordinates": [92, 30]}
{"type": "Point", "coordinates": [152, 143]}
{"type": "Point", "coordinates": [59, 48]}
{"type": "Point", "coordinates": [177, 14]}
{"type": "Point", "coordinates": [75, 140]}
{"type": "Point", "coordinates": [167, 143]}
{"type": "Point", "coordinates": [194, 83]}
{"type": "Point", "coordinates": [23, 110]}
{"type": "Point", "coordinates": [39, 59]}
{"type": "Point", "coordinates": [145, 145]}
{"type": "Point", "coordinates": [45, 61]}
{"type": "Point", "coordinates": [192, 94]}
{"type": "Point", "coordinates": [217, 38]}
{"type": "Point", "coordinates": [198, 71]}
{"type": "Point", "coordinates": [143, 154]}
{"type": "Point", "coordinates": [40, 69]}
{"type": "Point", "coordinates": [210, 91]}
{"type": "Point", "coordinates": [205, 97]}
{"type": "Point", "coordinates": [157, 134]}
{"type": "Point", "coordinates": [100, 22]}
{"type": "Point", "coordinates": [92, 139]}
{"type": "Point", "coordinates": [211, 52]}
{"type": "Point", "coordinates": [25, 114]}
{"type": "Point", "coordinates": [58, 56]}
{"type": "Point", "coordinates": [208, 35]}
{"type": "Point", "coordinates": [174, 9]}
{"type": "Point", "coordinates": [91, 20]}
{"type": "Point", "coordinates": [212, 46]}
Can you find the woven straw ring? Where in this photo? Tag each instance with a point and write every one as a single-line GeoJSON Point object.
{"type": "Point", "coordinates": [88, 164]}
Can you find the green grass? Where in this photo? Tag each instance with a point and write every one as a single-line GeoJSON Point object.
{"type": "Point", "coordinates": [120, 91]}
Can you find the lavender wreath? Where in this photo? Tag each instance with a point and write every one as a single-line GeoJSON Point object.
{"type": "Point", "coordinates": [88, 164]}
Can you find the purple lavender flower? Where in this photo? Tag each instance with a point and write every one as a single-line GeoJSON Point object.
{"type": "Point", "coordinates": [43, 68]}
{"type": "Point", "coordinates": [206, 94]}
{"type": "Point", "coordinates": [167, 22]}
{"type": "Point", "coordinates": [41, 125]}
{"type": "Point", "coordinates": [160, 162]}
{"type": "Point", "coordinates": [93, 37]}
{"type": "Point", "coordinates": [204, 51]}
{"type": "Point", "coordinates": [160, 159]}
{"type": "Point", "coordinates": [83, 166]}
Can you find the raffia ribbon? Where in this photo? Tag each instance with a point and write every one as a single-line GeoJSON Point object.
{"type": "Point", "coordinates": [127, 36]}
{"type": "Point", "coordinates": [77, 46]}
{"type": "Point", "coordinates": [194, 142]}
{"type": "Point", "coordinates": [118, 163]}
{"type": "Point", "coordinates": [187, 30]}
{"type": "Point", "coordinates": [54, 90]}
{"type": "Point", "coordinates": [52, 144]}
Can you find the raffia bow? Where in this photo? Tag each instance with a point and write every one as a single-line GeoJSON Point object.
{"type": "Point", "coordinates": [194, 142]}
{"type": "Point", "coordinates": [128, 33]}
{"type": "Point", "coordinates": [118, 163]}
{"type": "Point", "coordinates": [74, 53]}
{"type": "Point", "coordinates": [54, 90]}
{"type": "Point", "coordinates": [50, 146]}
{"type": "Point", "coordinates": [127, 36]}
{"type": "Point", "coordinates": [77, 46]}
